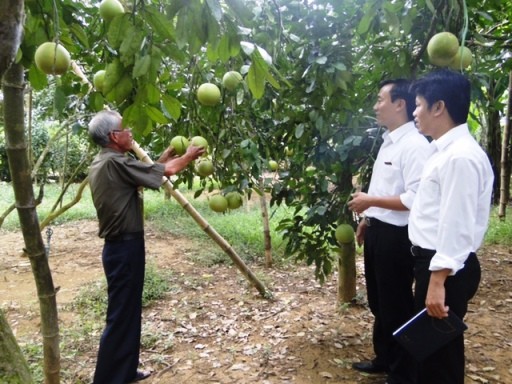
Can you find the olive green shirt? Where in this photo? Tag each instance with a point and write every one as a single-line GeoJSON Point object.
{"type": "Point", "coordinates": [115, 179]}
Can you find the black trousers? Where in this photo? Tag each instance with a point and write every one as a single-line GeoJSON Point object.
{"type": "Point", "coordinates": [446, 366]}
{"type": "Point", "coordinates": [389, 273]}
{"type": "Point", "coordinates": [118, 355]}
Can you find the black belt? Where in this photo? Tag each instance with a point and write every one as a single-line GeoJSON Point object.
{"type": "Point", "coordinates": [422, 252]}
{"type": "Point", "coordinates": [373, 222]}
{"type": "Point", "coordinates": [126, 236]}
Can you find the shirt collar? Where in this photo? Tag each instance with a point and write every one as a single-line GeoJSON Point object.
{"type": "Point", "coordinates": [450, 136]}
{"type": "Point", "coordinates": [400, 132]}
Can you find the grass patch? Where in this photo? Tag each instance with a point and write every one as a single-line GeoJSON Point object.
{"type": "Point", "coordinates": [92, 300]}
{"type": "Point", "coordinates": [83, 210]}
{"type": "Point", "coordinates": [241, 228]}
{"type": "Point", "coordinates": [499, 231]}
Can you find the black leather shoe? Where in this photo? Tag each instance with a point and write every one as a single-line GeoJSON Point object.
{"type": "Point", "coordinates": [141, 375]}
{"type": "Point", "coordinates": [369, 367]}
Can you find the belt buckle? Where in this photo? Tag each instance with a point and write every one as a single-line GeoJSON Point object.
{"type": "Point", "coordinates": [368, 221]}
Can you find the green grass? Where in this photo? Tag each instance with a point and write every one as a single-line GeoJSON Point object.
{"type": "Point", "coordinates": [499, 231]}
{"type": "Point", "coordinates": [82, 210]}
{"type": "Point", "coordinates": [93, 296]}
{"type": "Point", "coordinates": [241, 228]}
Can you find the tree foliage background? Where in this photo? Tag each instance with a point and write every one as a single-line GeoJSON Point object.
{"type": "Point", "coordinates": [311, 69]}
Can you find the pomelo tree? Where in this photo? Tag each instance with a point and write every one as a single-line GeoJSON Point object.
{"type": "Point", "coordinates": [309, 70]}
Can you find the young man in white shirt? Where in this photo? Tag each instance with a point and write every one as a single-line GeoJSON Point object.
{"type": "Point", "coordinates": [449, 215]}
{"type": "Point", "coordinates": [388, 262]}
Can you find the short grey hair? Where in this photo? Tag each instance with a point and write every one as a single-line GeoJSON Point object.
{"type": "Point", "coordinates": [102, 124]}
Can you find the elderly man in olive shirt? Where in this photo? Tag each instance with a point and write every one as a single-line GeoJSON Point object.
{"type": "Point", "coordinates": [115, 180]}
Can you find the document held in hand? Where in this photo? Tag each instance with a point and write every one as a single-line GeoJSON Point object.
{"type": "Point", "coordinates": [422, 335]}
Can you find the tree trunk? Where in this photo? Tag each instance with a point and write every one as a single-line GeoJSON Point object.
{"type": "Point", "coordinates": [13, 89]}
{"type": "Point", "coordinates": [266, 227]}
{"type": "Point", "coordinates": [347, 273]}
{"type": "Point", "coordinates": [491, 138]}
{"type": "Point", "coordinates": [13, 366]}
{"type": "Point", "coordinates": [505, 158]}
{"type": "Point", "coordinates": [11, 28]}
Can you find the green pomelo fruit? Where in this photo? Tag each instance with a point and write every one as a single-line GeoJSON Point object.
{"type": "Point", "coordinates": [234, 200]}
{"type": "Point", "coordinates": [180, 144]}
{"type": "Point", "coordinates": [208, 94]}
{"type": "Point", "coordinates": [199, 141]}
{"type": "Point", "coordinates": [204, 168]}
{"type": "Point", "coordinates": [442, 48]}
{"type": "Point", "coordinates": [52, 58]}
{"type": "Point", "coordinates": [218, 203]}
{"type": "Point", "coordinates": [98, 80]}
{"type": "Point", "coordinates": [344, 233]}
{"type": "Point", "coordinates": [110, 9]}
{"type": "Point", "coordinates": [462, 59]}
{"type": "Point", "coordinates": [231, 80]}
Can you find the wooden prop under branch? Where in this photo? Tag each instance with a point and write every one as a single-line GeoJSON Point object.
{"type": "Point", "coordinates": [210, 231]}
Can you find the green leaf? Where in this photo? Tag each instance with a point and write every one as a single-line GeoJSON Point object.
{"type": "Point", "coordinates": [113, 73]}
{"type": "Point", "coordinates": [159, 22]}
{"type": "Point", "coordinates": [215, 9]}
{"type": "Point", "coordinates": [364, 24]}
{"type": "Point", "coordinates": [172, 106]}
{"type": "Point", "coordinates": [141, 66]}
{"type": "Point", "coordinates": [299, 130]}
{"type": "Point", "coordinates": [37, 79]}
{"type": "Point", "coordinates": [223, 49]}
{"type": "Point", "coordinates": [155, 115]}
{"type": "Point", "coordinates": [131, 45]}
{"type": "Point", "coordinates": [117, 30]}
{"type": "Point", "coordinates": [59, 100]}
{"type": "Point", "coordinates": [152, 93]}
{"type": "Point", "coordinates": [121, 91]}
{"type": "Point", "coordinates": [257, 74]}
{"type": "Point", "coordinates": [340, 66]}
{"type": "Point", "coordinates": [80, 34]}
{"type": "Point", "coordinates": [430, 6]}
{"type": "Point", "coordinates": [97, 101]}
{"type": "Point", "coordinates": [272, 81]}
{"type": "Point", "coordinates": [212, 52]}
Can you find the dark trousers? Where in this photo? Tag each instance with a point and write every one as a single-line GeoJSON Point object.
{"type": "Point", "coordinates": [446, 366]}
{"type": "Point", "coordinates": [118, 355]}
{"type": "Point", "coordinates": [389, 272]}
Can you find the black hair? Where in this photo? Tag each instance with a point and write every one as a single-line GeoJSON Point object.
{"type": "Point", "coordinates": [401, 90]}
{"type": "Point", "coordinates": [451, 87]}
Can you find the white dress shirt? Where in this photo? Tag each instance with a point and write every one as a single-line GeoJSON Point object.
{"type": "Point", "coordinates": [397, 171]}
{"type": "Point", "coordinates": [451, 210]}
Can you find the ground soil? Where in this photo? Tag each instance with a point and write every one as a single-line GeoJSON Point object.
{"type": "Point", "coordinates": [214, 328]}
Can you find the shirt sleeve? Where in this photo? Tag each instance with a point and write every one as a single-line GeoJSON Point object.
{"type": "Point", "coordinates": [141, 174]}
{"type": "Point", "coordinates": [416, 156]}
{"type": "Point", "coordinates": [457, 216]}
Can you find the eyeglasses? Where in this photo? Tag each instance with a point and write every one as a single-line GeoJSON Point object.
{"type": "Point", "coordinates": [121, 130]}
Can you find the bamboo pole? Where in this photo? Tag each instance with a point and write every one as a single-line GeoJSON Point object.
{"type": "Point", "coordinates": [210, 231]}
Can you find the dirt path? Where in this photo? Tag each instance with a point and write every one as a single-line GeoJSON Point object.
{"type": "Point", "coordinates": [213, 328]}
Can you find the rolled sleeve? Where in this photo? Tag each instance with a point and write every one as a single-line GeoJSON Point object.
{"type": "Point", "coordinates": [407, 198]}
{"type": "Point", "coordinates": [440, 261]}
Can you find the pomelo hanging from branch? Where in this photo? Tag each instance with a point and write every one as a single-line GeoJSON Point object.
{"type": "Point", "coordinates": [210, 231]}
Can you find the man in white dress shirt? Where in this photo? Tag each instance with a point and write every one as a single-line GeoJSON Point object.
{"type": "Point", "coordinates": [388, 263]}
{"type": "Point", "coordinates": [449, 215]}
